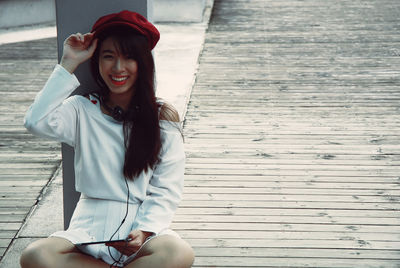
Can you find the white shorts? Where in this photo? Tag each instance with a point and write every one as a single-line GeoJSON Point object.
{"type": "Point", "coordinates": [97, 220]}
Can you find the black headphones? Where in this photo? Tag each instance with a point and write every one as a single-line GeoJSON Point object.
{"type": "Point", "coordinates": [117, 112]}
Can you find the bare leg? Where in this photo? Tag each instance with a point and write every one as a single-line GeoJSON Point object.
{"type": "Point", "coordinates": [55, 252]}
{"type": "Point", "coordinates": [165, 251]}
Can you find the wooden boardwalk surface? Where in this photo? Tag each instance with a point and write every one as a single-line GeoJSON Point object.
{"type": "Point", "coordinates": [292, 136]}
{"type": "Point", "coordinates": [26, 162]}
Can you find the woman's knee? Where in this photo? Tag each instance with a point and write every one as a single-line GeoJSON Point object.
{"type": "Point", "coordinates": [34, 256]}
{"type": "Point", "coordinates": [43, 253]}
{"type": "Point", "coordinates": [175, 252]}
{"type": "Point", "coordinates": [182, 254]}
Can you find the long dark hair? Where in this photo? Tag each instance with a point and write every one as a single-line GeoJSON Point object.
{"type": "Point", "coordinates": [141, 122]}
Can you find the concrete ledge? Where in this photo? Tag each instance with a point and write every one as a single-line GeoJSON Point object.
{"type": "Point", "coordinates": [15, 13]}
{"type": "Point", "coordinates": [178, 10]}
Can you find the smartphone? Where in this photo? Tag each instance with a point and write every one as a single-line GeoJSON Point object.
{"type": "Point", "coordinates": [102, 242]}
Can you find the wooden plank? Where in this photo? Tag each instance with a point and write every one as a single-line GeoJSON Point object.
{"type": "Point", "coordinates": [26, 203]}
{"type": "Point", "coordinates": [290, 219]}
{"type": "Point", "coordinates": [13, 218]}
{"type": "Point", "coordinates": [349, 180]}
{"type": "Point", "coordinates": [297, 252]}
{"type": "Point", "coordinates": [281, 243]}
{"type": "Point", "coordinates": [6, 226]}
{"type": "Point", "coordinates": [8, 234]}
{"type": "Point", "coordinates": [289, 212]}
{"type": "Point", "coordinates": [41, 171]}
{"type": "Point", "coordinates": [244, 261]}
{"type": "Point", "coordinates": [395, 200]}
{"type": "Point", "coordinates": [287, 235]}
{"type": "Point", "coordinates": [282, 227]}
{"type": "Point", "coordinates": [12, 211]}
{"type": "Point", "coordinates": [364, 193]}
{"type": "Point", "coordinates": [291, 204]}
{"type": "Point", "coordinates": [306, 159]}
{"type": "Point", "coordinates": [32, 166]}
{"type": "Point", "coordinates": [292, 172]}
{"type": "Point", "coordinates": [333, 186]}
{"type": "Point", "coordinates": [263, 167]}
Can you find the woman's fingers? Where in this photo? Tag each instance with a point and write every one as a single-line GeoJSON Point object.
{"type": "Point", "coordinates": [77, 49]}
{"type": "Point", "coordinates": [126, 248]}
{"type": "Point", "coordinates": [80, 36]}
{"type": "Point", "coordinates": [136, 239]}
{"type": "Point", "coordinates": [92, 47]}
{"type": "Point", "coordinates": [79, 40]}
{"type": "Point", "coordinates": [86, 39]}
{"type": "Point", "coordinates": [71, 39]}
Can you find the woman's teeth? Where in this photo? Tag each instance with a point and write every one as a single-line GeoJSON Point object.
{"type": "Point", "coordinates": [119, 79]}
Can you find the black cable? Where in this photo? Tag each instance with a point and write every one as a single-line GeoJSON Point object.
{"type": "Point", "coordinates": [117, 112]}
{"type": "Point", "coordinates": [119, 227]}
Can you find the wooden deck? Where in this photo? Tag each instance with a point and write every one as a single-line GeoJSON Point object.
{"type": "Point", "coordinates": [26, 162]}
{"type": "Point", "coordinates": [292, 136]}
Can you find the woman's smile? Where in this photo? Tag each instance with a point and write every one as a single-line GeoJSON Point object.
{"type": "Point", "coordinates": [119, 80]}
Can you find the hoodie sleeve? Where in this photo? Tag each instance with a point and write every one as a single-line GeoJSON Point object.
{"type": "Point", "coordinates": [165, 188]}
{"type": "Point", "coordinates": [52, 115]}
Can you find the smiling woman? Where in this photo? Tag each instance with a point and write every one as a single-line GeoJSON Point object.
{"type": "Point", "coordinates": [129, 156]}
{"type": "Point", "coordinates": [123, 67]}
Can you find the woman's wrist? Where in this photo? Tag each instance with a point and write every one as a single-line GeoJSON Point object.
{"type": "Point", "coordinates": [69, 65]}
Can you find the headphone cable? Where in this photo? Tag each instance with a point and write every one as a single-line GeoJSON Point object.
{"type": "Point", "coordinates": [118, 261]}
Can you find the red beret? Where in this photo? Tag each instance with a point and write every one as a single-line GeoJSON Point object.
{"type": "Point", "coordinates": [131, 19]}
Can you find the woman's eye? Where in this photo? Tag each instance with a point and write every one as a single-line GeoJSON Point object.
{"type": "Point", "coordinates": [107, 56]}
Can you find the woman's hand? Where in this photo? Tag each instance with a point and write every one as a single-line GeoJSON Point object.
{"type": "Point", "coordinates": [77, 49]}
{"type": "Point", "coordinates": [136, 237]}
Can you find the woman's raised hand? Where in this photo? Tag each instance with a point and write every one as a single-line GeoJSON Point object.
{"type": "Point", "coordinates": [77, 49]}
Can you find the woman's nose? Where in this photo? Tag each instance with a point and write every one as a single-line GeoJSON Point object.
{"type": "Point", "coordinates": [118, 64]}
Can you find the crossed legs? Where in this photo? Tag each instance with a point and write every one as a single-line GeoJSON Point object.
{"type": "Point", "coordinates": [164, 251]}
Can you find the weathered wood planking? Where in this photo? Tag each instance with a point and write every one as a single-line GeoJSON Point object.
{"type": "Point", "coordinates": [26, 162]}
{"type": "Point", "coordinates": [292, 136]}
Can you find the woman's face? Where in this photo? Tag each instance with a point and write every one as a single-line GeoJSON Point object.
{"type": "Point", "coordinates": [118, 72]}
